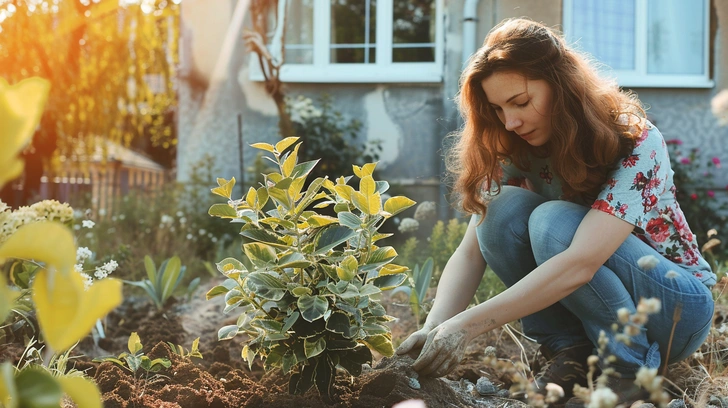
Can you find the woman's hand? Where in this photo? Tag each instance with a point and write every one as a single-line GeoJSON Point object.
{"type": "Point", "coordinates": [413, 344]}
{"type": "Point", "coordinates": [444, 347]}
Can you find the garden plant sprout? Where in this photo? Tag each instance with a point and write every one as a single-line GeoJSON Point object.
{"type": "Point", "coordinates": [309, 303]}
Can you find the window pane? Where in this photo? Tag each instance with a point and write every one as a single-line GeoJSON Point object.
{"type": "Point", "coordinates": [353, 31]}
{"type": "Point", "coordinates": [413, 33]}
{"type": "Point", "coordinates": [299, 32]}
{"type": "Point", "coordinates": [606, 30]}
{"type": "Point", "coordinates": [675, 37]}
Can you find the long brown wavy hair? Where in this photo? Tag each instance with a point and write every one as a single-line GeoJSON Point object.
{"type": "Point", "coordinates": [594, 123]}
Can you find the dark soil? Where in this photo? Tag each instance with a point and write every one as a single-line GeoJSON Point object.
{"type": "Point", "coordinates": [223, 379]}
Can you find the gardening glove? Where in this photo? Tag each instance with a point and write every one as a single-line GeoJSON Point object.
{"type": "Point", "coordinates": [444, 348]}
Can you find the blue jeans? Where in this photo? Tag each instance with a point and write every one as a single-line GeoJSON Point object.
{"type": "Point", "coordinates": [522, 230]}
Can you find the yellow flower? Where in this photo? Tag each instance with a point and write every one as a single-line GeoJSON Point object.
{"type": "Point", "coordinates": [21, 106]}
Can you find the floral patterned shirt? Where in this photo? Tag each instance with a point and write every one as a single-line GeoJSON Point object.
{"type": "Point", "coordinates": [639, 190]}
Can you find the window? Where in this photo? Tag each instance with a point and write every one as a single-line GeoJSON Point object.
{"type": "Point", "coordinates": [361, 41]}
{"type": "Point", "coordinates": [644, 43]}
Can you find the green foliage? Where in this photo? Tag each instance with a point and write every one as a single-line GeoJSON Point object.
{"type": "Point", "coordinates": [184, 353]}
{"type": "Point", "coordinates": [420, 279]}
{"type": "Point", "coordinates": [161, 283]}
{"type": "Point", "coordinates": [31, 387]}
{"type": "Point", "coordinates": [135, 358]}
{"type": "Point", "coordinates": [308, 300]}
{"type": "Point", "coordinates": [703, 210]}
{"type": "Point", "coordinates": [328, 136]}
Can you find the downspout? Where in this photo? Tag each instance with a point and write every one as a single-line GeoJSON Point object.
{"type": "Point", "coordinates": [470, 25]}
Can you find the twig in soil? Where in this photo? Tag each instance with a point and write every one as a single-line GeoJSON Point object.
{"type": "Point", "coordinates": [523, 355]}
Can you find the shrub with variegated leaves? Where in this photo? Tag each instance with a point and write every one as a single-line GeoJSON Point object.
{"type": "Point", "coordinates": [310, 302]}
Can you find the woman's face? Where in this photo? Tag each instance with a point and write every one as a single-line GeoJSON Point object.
{"type": "Point", "coordinates": [523, 105]}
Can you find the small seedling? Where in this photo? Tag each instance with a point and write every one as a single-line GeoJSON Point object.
{"type": "Point", "coordinates": [135, 358]}
{"type": "Point", "coordinates": [182, 352]}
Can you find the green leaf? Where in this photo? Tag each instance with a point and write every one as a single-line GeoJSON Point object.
{"type": "Point", "coordinates": [350, 220]}
{"type": "Point", "coordinates": [83, 391]}
{"type": "Point", "coordinates": [303, 381]}
{"type": "Point", "coordinates": [353, 360]}
{"type": "Point", "coordinates": [303, 169]}
{"type": "Point", "coordinates": [331, 237]}
{"type": "Point", "coordinates": [151, 268]}
{"type": "Point", "coordinates": [8, 389]}
{"type": "Point", "coordinates": [382, 187]}
{"type": "Point", "coordinates": [312, 307]}
{"type": "Point", "coordinates": [314, 348]}
{"type": "Point", "coordinates": [344, 191]}
{"type": "Point", "coordinates": [380, 343]}
{"type": "Point", "coordinates": [262, 198]}
{"type": "Point", "coordinates": [260, 254]}
{"type": "Point", "coordinates": [290, 321]}
{"type": "Point", "coordinates": [285, 143]}
{"type": "Point", "coordinates": [294, 260]}
{"type": "Point", "coordinates": [263, 146]}
{"type": "Point", "coordinates": [368, 290]}
{"type": "Point", "coordinates": [225, 187]}
{"type": "Point", "coordinates": [266, 286]}
{"type": "Point", "coordinates": [222, 211]}
{"type": "Point", "coordinates": [170, 277]}
{"type": "Point", "coordinates": [134, 344]}
{"type": "Point", "coordinates": [301, 291]}
{"type": "Point", "coordinates": [379, 257]}
{"type": "Point", "coordinates": [422, 279]}
{"type": "Point", "coordinates": [339, 323]}
{"type": "Point", "coordinates": [280, 196]}
{"type": "Point", "coordinates": [389, 281]}
{"type": "Point", "coordinates": [396, 205]}
{"type": "Point", "coordinates": [227, 332]}
{"type": "Point", "coordinates": [269, 325]}
{"type": "Point", "coordinates": [228, 264]}
{"type": "Point", "coordinates": [324, 377]}
{"type": "Point", "coordinates": [251, 197]}
{"type": "Point", "coordinates": [260, 235]}
{"type": "Point", "coordinates": [37, 389]}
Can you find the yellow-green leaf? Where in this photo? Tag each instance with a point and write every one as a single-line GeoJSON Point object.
{"type": "Point", "coordinates": [21, 106]}
{"type": "Point", "coordinates": [285, 143]}
{"type": "Point", "coordinates": [344, 274]}
{"type": "Point", "coordinates": [391, 269]}
{"type": "Point", "coordinates": [263, 146]}
{"type": "Point", "coordinates": [83, 391]}
{"type": "Point", "coordinates": [398, 204]}
{"type": "Point", "coordinates": [368, 169]}
{"type": "Point", "coordinates": [357, 171]}
{"type": "Point", "coordinates": [350, 264]}
{"type": "Point", "coordinates": [290, 162]}
{"type": "Point", "coordinates": [380, 343]}
{"type": "Point", "coordinates": [344, 191]}
{"type": "Point", "coordinates": [7, 296]}
{"type": "Point", "coordinates": [250, 198]}
{"type": "Point", "coordinates": [321, 220]}
{"type": "Point", "coordinates": [66, 311]}
{"type": "Point", "coordinates": [367, 186]}
{"type": "Point", "coordinates": [375, 203]}
{"type": "Point", "coordinates": [361, 202]}
{"type": "Point", "coordinates": [8, 390]}
{"type": "Point", "coordinates": [225, 188]}
{"type": "Point", "coordinates": [46, 241]}
{"type": "Point", "coordinates": [134, 343]}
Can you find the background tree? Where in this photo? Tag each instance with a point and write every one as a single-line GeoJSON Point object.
{"type": "Point", "coordinates": [111, 65]}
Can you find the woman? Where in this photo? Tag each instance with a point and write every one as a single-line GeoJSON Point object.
{"type": "Point", "coordinates": [570, 186]}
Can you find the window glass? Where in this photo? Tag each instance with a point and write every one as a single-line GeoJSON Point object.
{"type": "Point", "coordinates": [675, 37]}
{"type": "Point", "coordinates": [299, 32]}
{"type": "Point", "coordinates": [353, 31]}
{"type": "Point", "coordinates": [606, 30]}
{"type": "Point", "coordinates": [413, 36]}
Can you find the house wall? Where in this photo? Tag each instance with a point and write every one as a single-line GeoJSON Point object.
{"type": "Point", "coordinates": [410, 119]}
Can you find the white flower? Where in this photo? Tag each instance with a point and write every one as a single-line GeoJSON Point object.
{"type": "Point", "coordinates": [180, 214]}
{"type": "Point", "coordinates": [722, 329]}
{"type": "Point", "coordinates": [189, 236]}
{"type": "Point", "coordinates": [671, 274]}
{"type": "Point", "coordinates": [78, 268]}
{"type": "Point", "coordinates": [554, 392]}
{"type": "Point", "coordinates": [105, 269]}
{"type": "Point", "coordinates": [603, 398]}
{"type": "Point", "coordinates": [202, 231]}
{"type": "Point", "coordinates": [648, 262]}
{"type": "Point", "coordinates": [87, 280]}
{"type": "Point", "coordinates": [408, 225]}
{"type": "Point", "coordinates": [3, 206]}
{"type": "Point", "coordinates": [166, 219]}
{"type": "Point", "coordinates": [102, 212]}
{"type": "Point", "coordinates": [648, 379]}
{"type": "Point", "coordinates": [649, 306]}
{"type": "Point", "coordinates": [88, 223]}
{"type": "Point", "coordinates": [623, 315]}
{"type": "Point", "coordinates": [631, 330]}
{"type": "Point", "coordinates": [82, 254]}
{"type": "Point", "coordinates": [182, 220]}
{"type": "Point", "coordinates": [425, 210]}
{"type": "Point", "coordinates": [122, 217]}
{"type": "Point", "coordinates": [77, 214]}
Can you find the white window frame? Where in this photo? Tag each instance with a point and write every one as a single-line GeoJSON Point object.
{"type": "Point", "coordinates": [382, 71]}
{"type": "Point", "coordinates": [639, 77]}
